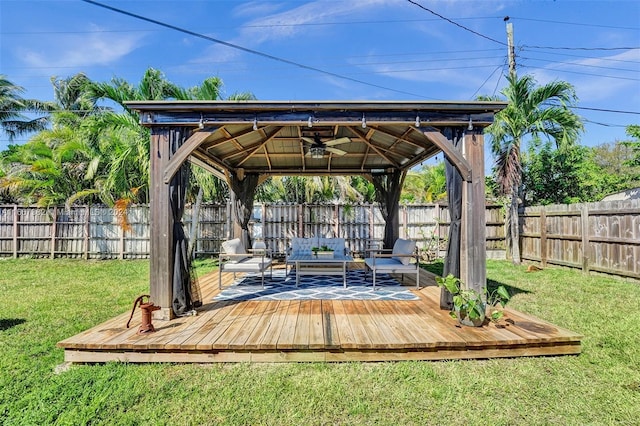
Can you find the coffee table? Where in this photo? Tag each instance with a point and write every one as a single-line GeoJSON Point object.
{"type": "Point", "coordinates": [308, 264]}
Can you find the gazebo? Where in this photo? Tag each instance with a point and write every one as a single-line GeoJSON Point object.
{"type": "Point", "coordinates": [244, 142]}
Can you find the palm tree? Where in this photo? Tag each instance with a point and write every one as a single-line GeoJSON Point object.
{"type": "Point", "coordinates": [12, 120]}
{"type": "Point", "coordinates": [534, 112]}
{"type": "Point", "coordinates": [72, 94]}
{"type": "Point", "coordinates": [123, 144]}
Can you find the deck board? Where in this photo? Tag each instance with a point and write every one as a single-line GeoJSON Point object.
{"type": "Point", "coordinates": [318, 330]}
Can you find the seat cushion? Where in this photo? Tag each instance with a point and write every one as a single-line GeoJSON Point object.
{"type": "Point", "coordinates": [403, 247]}
{"type": "Point", "coordinates": [234, 246]}
{"type": "Point", "coordinates": [389, 264]}
{"type": "Point", "coordinates": [250, 264]}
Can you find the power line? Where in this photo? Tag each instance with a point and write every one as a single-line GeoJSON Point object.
{"type": "Point", "coordinates": [456, 24]}
{"type": "Point", "coordinates": [487, 79]}
{"type": "Point", "coordinates": [576, 23]}
{"type": "Point", "coordinates": [605, 124]}
{"type": "Point", "coordinates": [247, 50]}
{"type": "Point", "coordinates": [591, 74]}
{"type": "Point", "coordinates": [580, 48]}
{"type": "Point", "coordinates": [578, 65]}
{"type": "Point", "coordinates": [303, 24]}
{"type": "Point", "coordinates": [590, 57]}
{"type": "Point", "coordinates": [606, 110]}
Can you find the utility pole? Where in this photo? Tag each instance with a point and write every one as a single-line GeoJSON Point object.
{"type": "Point", "coordinates": [512, 52]}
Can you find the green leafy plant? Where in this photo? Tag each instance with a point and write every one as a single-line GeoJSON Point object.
{"type": "Point", "coordinates": [469, 307]}
{"type": "Point", "coordinates": [323, 248]}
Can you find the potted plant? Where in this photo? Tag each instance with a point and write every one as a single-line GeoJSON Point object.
{"type": "Point", "coordinates": [469, 308]}
{"type": "Point", "coordinates": [322, 252]}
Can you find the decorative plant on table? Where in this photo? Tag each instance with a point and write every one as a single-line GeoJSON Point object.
{"type": "Point", "coordinates": [322, 250]}
{"type": "Point", "coordinates": [469, 308]}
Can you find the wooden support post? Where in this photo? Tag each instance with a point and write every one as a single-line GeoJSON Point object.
{"type": "Point", "coordinates": [336, 220]}
{"type": "Point", "coordinates": [15, 231]}
{"type": "Point", "coordinates": [584, 218]}
{"type": "Point", "coordinates": [161, 227]}
{"type": "Point", "coordinates": [543, 238]}
{"type": "Point", "coordinates": [473, 247]}
{"type": "Point", "coordinates": [54, 230]}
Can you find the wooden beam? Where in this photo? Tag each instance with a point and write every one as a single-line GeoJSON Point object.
{"type": "Point", "coordinates": [365, 139]}
{"type": "Point", "coordinates": [250, 153]}
{"type": "Point", "coordinates": [230, 138]}
{"type": "Point", "coordinates": [217, 173]}
{"type": "Point", "coordinates": [160, 227]}
{"type": "Point", "coordinates": [473, 244]}
{"type": "Point", "coordinates": [184, 152]}
{"type": "Point", "coordinates": [453, 154]}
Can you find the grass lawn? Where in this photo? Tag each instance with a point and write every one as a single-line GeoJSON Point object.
{"type": "Point", "coordinates": [45, 301]}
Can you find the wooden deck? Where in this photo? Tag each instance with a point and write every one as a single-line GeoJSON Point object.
{"type": "Point", "coordinates": [318, 330]}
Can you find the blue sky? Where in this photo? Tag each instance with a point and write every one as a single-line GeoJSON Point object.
{"type": "Point", "coordinates": [395, 49]}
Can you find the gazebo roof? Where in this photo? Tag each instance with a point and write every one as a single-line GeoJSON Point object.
{"type": "Point", "coordinates": [273, 137]}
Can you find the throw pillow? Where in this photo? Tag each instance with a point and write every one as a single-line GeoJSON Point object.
{"type": "Point", "coordinates": [403, 247]}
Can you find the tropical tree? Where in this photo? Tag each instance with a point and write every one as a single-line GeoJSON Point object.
{"type": "Point", "coordinates": [634, 132]}
{"type": "Point", "coordinates": [566, 175]}
{"type": "Point", "coordinates": [533, 111]}
{"type": "Point", "coordinates": [13, 121]}
{"type": "Point", "coordinates": [426, 185]}
{"type": "Point", "coordinates": [123, 175]}
{"type": "Point", "coordinates": [308, 189]}
{"type": "Point", "coordinates": [72, 94]}
{"type": "Point", "coordinates": [46, 170]}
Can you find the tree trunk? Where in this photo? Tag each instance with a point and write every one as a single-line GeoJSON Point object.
{"type": "Point", "coordinates": [514, 227]}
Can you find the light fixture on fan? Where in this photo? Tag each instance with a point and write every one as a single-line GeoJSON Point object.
{"type": "Point", "coordinates": [316, 151]}
{"type": "Point", "coordinates": [318, 148]}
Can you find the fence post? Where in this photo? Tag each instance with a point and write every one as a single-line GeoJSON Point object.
{"type": "Point", "coordinates": [54, 230]}
{"type": "Point", "coordinates": [300, 223]}
{"type": "Point", "coordinates": [584, 218]}
{"type": "Point", "coordinates": [372, 228]}
{"type": "Point", "coordinates": [87, 229]}
{"type": "Point", "coordinates": [15, 231]}
{"type": "Point", "coordinates": [405, 225]}
{"type": "Point", "coordinates": [543, 237]}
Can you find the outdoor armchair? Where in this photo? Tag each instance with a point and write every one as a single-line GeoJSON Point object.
{"type": "Point", "coordinates": [402, 259]}
{"type": "Point", "coordinates": [235, 258]}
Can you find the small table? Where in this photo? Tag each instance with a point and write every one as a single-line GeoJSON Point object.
{"type": "Point", "coordinates": [308, 264]}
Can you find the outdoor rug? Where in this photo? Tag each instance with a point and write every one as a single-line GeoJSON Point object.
{"type": "Point", "coordinates": [316, 287]}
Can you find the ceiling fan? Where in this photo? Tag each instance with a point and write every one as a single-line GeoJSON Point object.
{"type": "Point", "coordinates": [317, 147]}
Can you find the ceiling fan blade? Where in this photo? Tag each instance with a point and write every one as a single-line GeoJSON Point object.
{"type": "Point", "coordinates": [337, 141]}
{"type": "Point", "coordinates": [336, 151]}
{"type": "Point", "coordinates": [307, 140]}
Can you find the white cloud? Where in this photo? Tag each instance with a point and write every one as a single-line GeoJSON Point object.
{"type": "Point", "coordinates": [80, 50]}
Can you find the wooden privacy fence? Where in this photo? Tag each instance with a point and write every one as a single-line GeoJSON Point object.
{"type": "Point", "coordinates": [601, 237]}
{"type": "Point", "coordinates": [94, 232]}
